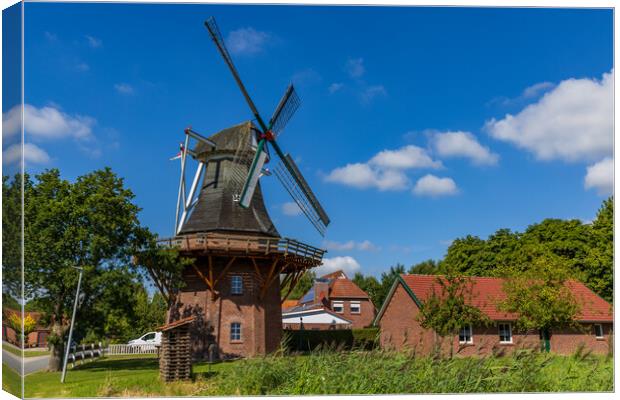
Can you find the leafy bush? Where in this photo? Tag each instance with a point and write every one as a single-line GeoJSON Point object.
{"type": "Point", "coordinates": [366, 338]}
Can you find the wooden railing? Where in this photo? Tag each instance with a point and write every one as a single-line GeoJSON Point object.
{"type": "Point", "coordinates": [243, 244]}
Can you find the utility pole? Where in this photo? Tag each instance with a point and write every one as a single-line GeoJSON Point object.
{"type": "Point", "coordinates": [75, 304]}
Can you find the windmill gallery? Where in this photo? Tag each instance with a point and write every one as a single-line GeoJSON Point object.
{"type": "Point", "coordinates": [231, 292]}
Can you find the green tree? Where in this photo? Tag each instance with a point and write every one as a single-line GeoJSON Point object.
{"type": "Point", "coordinates": [599, 263]}
{"type": "Point", "coordinates": [91, 223]}
{"type": "Point", "coordinates": [370, 285]}
{"type": "Point", "coordinates": [427, 267]}
{"type": "Point", "coordinates": [303, 285]}
{"type": "Point", "coordinates": [448, 310]}
{"type": "Point", "coordinates": [539, 295]}
{"type": "Point", "coordinates": [387, 280]}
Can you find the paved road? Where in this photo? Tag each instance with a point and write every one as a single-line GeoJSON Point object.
{"type": "Point", "coordinates": [31, 364]}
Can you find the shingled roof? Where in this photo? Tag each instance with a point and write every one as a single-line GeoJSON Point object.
{"type": "Point", "coordinates": [215, 210]}
{"type": "Point", "coordinates": [487, 292]}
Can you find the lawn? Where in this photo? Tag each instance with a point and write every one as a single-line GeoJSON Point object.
{"type": "Point", "coordinates": [11, 382]}
{"type": "Point", "coordinates": [334, 373]}
{"type": "Point", "coordinates": [27, 353]}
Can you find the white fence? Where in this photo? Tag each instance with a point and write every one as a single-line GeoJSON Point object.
{"type": "Point", "coordinates": [122, 349]}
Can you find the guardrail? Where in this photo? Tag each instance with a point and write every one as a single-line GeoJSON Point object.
{"type": "Point", "coordinates": [84, 352]}
{"type": "Point", "coordinates": [243, 244]}
{"type": "Point", "coordinates": [125, 349]}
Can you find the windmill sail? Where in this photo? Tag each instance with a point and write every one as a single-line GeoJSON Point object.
{"type": "Point", "coordinates": [289, 175]}
{"type": "Point", "coordinates": [284, 111]}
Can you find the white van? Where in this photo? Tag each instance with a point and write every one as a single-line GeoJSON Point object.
{"type": "Point", "coordinates": [152, 338]}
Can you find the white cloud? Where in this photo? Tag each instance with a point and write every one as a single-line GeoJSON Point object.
{"type": "Point", "coordinates": [384, 171]}
{"type": "Point", "coordinates": [47, 123]}
{"type": "Point", "coordinates": [365, 245]}
{"type": "Point", "coordinates": [536, 89]}
{"type": "Point", "coordinates": [291, 209]}
{"type": "Point", "coordinates": [371, 92]}
{"type": "Point", "coordinates": [433, 186]}
{"type": "Point", "coordinates": [572, 122]}
{"type": "Point", "coordinates": [404, 158]}
{"type": "Point", "coordinates": [362, 176]}
{"type": "Point", "coordinates": [600, 176]}
{"type": "Point", "coordinates": [347, 264]}
{"type": "Point", "coordinates": [124, 88]}
{"type": "Point", "coordinates": [93, 41]}
{"type": "Point", "coordinates": [463, 144]}
{"type": "Point", "coordinates": [32, 154]}
{"type": "Point", "coordinates": [246, 41]}
{"type": "Point", "coordinates": [334, 87]}
{"type": "Point", "coordinates": [355, 67]}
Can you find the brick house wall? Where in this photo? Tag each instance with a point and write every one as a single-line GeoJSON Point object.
{"type": "Point", "coordinates": [260, 319]}
{"type": "Point", "coordinates": [359, 320]}
{"type": "Point", "coordinates": [400, 330]}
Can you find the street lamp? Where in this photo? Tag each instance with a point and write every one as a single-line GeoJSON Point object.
{"type": "Point", "coordinates": [75, 304]}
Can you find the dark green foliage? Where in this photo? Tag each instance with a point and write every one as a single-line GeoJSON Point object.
{"type": "Point", "coordinates": [428, 267]}
{"type": "Point", "coordinates": [311, 340]}
{"type": "Point", "coordinates": [540, 297]}
{"type": "Point", "coordinates": [90, 223]}
{"type": "Point", "coordinates": [586, 251]}
{"type": "Point", "coordinates": [366, 338]}
{"type": "Point", "coordinates": [370, 285]}
{"type": "Point", "coordinates": [302, 287]}
{"type": "Point", "coordinates": [447, 311]}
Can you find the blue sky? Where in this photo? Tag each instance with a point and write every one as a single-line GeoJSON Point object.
{"type": "Point", "coordinates": [417, 125]}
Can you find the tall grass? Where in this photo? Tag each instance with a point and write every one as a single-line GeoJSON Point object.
{"type": "Point", "coordinates": [380, 372]}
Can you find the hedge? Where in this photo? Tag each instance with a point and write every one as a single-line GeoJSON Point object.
{"type": "Point", "coordinates": [345, 339]}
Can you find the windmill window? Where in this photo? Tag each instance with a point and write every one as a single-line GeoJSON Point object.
{"type": "Point", "coordinates": [235, 331]}
{"type": "Point", "coordinates": [355, 307]}
{"type": "Point", "coordinates": [598, 331]}
{"type": "Point", "coordinates": [236, 284]}
{"type": "Point", "coordinates": [338, 306]}
{"type": "Point", "coordinates": [505, 333]}
{"type": "Point", "coordinates": [465, 335]}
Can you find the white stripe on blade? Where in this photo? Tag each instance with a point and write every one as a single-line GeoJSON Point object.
{"type": "Point", "coordinates": [252, 181]}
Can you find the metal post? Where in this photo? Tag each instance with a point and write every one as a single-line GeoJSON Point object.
{"type": "Point", "coordinates": [75, 304]}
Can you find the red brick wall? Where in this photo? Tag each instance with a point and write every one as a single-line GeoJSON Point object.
{"type": "Point", "coordinates": [401, 330]}
{"type": "Point", "coordinates": [361, 320]}
{"type": "Point", "coordinates": [261, 319]}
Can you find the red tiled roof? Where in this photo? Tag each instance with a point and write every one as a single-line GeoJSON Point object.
{"type": "Point", "coordinates": [346, 288]}
{"type": "Point", "coordinates": [176, 324]}
{"type": "Point", "coordinates": [487, 292]}
{"type": "Point", "coordinates": [334, 275]}
{"type": "Point", "coordinates": [289, 303]}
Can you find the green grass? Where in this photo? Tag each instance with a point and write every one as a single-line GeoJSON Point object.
{"type": "Point", "coordinates": [27, 353]}
{"type": "Point", "coordinates": [373, 372]}
{"type": "Point", "coordinates": [11, 382]}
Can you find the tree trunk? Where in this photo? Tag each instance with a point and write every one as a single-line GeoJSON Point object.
{"type": "Point", "coordinates": [56, 354]}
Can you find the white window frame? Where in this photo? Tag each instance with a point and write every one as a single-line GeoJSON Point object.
{"type": "Point", "coordinates": [359, 307]}
{"type": "Point", "coordinates": [602, 332]}
{"type": "Point", "coordinates": [236, 284]}
{"type": "Point", "coordinates": [233, 332]}
{"type": "Point", "coordinates": [339, 304]}
{"type": "Point", "coordinates": [499, 332]}
{"type": "Point", "coordinates": [471, 335]}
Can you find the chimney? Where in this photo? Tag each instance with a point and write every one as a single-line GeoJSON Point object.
{"type": "Point", "coordinates": [321, 289]}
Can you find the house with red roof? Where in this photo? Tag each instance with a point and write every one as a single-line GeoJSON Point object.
{"type": "Point", "coordinates": [400, 327]}
{"type": "Point", "coordinates": [333, 302]}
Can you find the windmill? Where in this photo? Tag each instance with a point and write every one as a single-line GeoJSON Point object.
{"type": "Point", "coordinates": [256, 153]}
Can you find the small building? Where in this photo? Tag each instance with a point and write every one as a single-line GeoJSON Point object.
{"type": "Point", "coordinates": [400, 328]}
{"type": "Point", "coordinates": [36, 338]}
{"type": "Point", "coordinates": [333, 302]}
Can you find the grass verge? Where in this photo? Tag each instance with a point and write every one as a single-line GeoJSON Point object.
{"type": "Point", "coordinates": [373, 372]}
{"type": "Point", "coordinates": [27, 353]}
{"type": "Point", "coordinates": [11, 381]}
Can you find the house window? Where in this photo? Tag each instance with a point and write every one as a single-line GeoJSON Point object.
{"type": "Point", "coordinates": [505, 333]}
{"type": "Point", "coordinates": [236, 284]}
{"type": "Point", "coordinates": [598, 331]}
{"type": "Point", "coordinates": [355, 307]}
{"type": "Point", "coordinates": [338, 306]}
{"type": "Point", "coordinates": [465, 335]}
{"type": "Point", "coordinates": [235, 331]}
